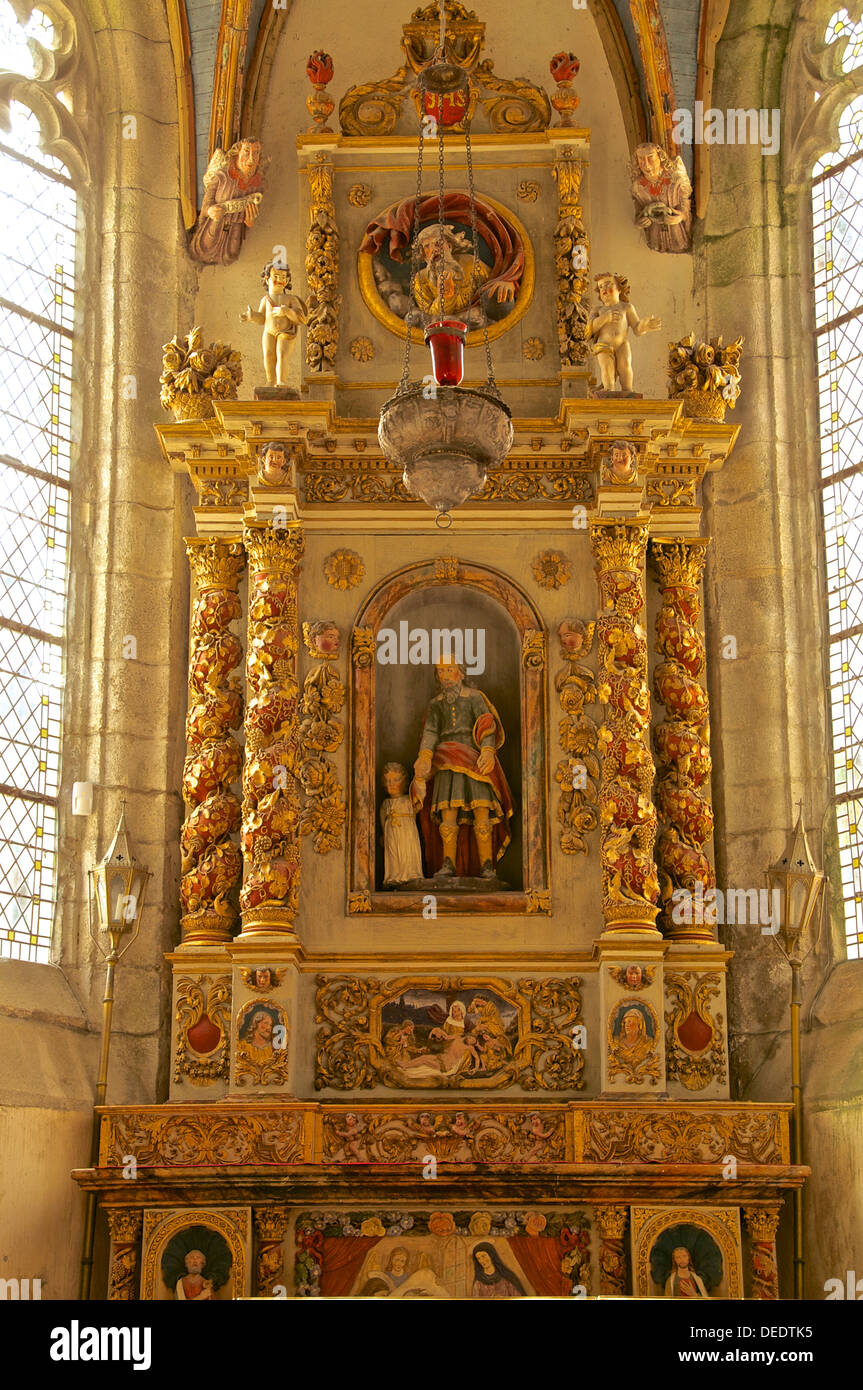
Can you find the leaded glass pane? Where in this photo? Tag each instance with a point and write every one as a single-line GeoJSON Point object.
{"type": "Point", "coordinates": [837, 220]}
{"type": "Point", "coordinates": [37, 287]}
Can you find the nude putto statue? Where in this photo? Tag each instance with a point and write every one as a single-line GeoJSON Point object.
{"type": "Point", "coordinates": [609, 329]}
{"type": "Point", "coordinates": [281, 314]}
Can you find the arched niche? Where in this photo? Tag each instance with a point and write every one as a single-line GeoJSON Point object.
{"type": "Point", "coordinates": [388, 705]}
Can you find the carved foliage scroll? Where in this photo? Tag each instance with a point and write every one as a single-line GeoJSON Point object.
{"type": "Point", "coordinates": [571, 261]}
{"type": "Point", "coordinates": [322, 270]}
{"type": "Point", "coordinates": [202, 1053]}
{"type": "Point", "coordinates": [694, 1052]}
{"type": "Point", "coordinates": [321, 732]}
{"type": "Point", "coordinates": [577, 773]}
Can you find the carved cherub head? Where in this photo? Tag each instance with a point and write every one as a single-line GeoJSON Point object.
{"type": "Point", "coordinates": [620, 464]}
{"type": "Point", "coordinates": [612, 289]}
{"type": "Point", "coordinates": [274, 463]}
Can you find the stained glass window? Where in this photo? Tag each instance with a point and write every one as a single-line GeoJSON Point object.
{"type": "Point", "coordinates": [841, 26]}
{"type": "Point", "coordinates": [837, 217]}
{"type": "Point", "coordinates": [37, 289]}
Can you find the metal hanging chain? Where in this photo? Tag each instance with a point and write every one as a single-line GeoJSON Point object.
{"type": "Point", "coordinates": [405, 378]}
{"type": "Point", "coordinates": [439, 250]}
{"type": "Point", "coordinates": [490, 381]}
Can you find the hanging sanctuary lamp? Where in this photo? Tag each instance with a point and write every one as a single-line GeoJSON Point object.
{"type": "Point", "coordinates": [443, 435]}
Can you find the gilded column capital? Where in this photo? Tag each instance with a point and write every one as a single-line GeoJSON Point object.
{"type": "Point", "coordinates": [271, 1223]}
{"type": "Point", "coordinates": [611, 1221]}
{"type": "Point", "coordinates": [216, 562]}
{"type": "Point", "coordinates": [618, 545]}
{"type": "Point", "coordinates": [272, 549]}
{"type": "Point", "coordinates": [762, 1223]}
{"type": "Point", "coordinates": [679, 563]}
{"type": "Point", "coordinates": [124, 1224]}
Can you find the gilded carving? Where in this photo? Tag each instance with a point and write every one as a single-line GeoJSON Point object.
{"type": "Point", "coordinates": [551, 569]}
{"type": "Point", "coordinates": [359, 902]}
{"type": "Point", "coordinates": [262, 1045]}
{"type": "Point", "coordinates": [198, 1139]}
{"type": "Point", "coordinates": [343, 569]}
{"type": "Point", "coordinates": [632, 977]}
{"type": "Point", "coordinates": [160, 1227]}
{"type": "Point", "coordinates": [627, 815]}
{"type": "Point", "coordinates": [538, 901]}
{"type": "Point", "coordinates": [533, 649]}
{"type": "Point", "coordinates": [694, 1051]}
{"type": "Point", "coordinates": [271, 804]}
{"type": "Point", "coordinates": [363, 646]}
{"type": "Point", "coordinates": [320, 733]}
{"type": "Point", "coordinates": [124, 1228]}
{"type": "Point", "coordinates": [528, 190]}
{"type": "Point", "coordinates": [511, 483]}
{"type": "Point", "coordinates": [564, 69]}
{"type": "Point", "coordinates": [571, 261]}
{"type": "Point", "coordinates": [486, 1033]}
{"type": "Point", "coordinates": [652, 1273]}
{"type": "Point", "coordinates": [682, 740]}
{"type": "Point", "coordinates": [362, 349]}
{"type": "Point", "coordinates": [533, 349]}
{"type": "Point", "coordinates": [446, 567]}
{"type": "Point", "coordinates": [450, 1137]}
{"type": "Point", "coordinates": [671, 1135]}
{"type": "Point", "coordinates": [203, 1006]}
{"type": "Point", "coordinates": [359, 195]}
{"type": "Point", "coordinates": [322, 270]}
{"type": "Point", "coordinates": [705, 376]}
{"type": "Point", "coordinates": [512, 105]}
{"type": "Point", "coordinates": [577, 773]}
{"type": "Point", "coordinates": [210, 861]}
{"type": "Point", "coordinates": [671, 491]}
{"type": "Point", "coordinates": [195, 377]}
{"type": "Point", "coordinates": [270, 1224]}
{"type": "Point", "coordinates": [611, 1224]}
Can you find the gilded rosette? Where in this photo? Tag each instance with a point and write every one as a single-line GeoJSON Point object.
{"type": "Point", "coordinates": [682, 741]}
{"type": "Point", "coordinates": [627, 816]}
{"type": "Point", "coordinates": [210, 860]}
{"type": "Point", "coordinates": [271, 792]}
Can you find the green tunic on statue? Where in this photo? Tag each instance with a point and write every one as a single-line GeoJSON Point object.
{"type": "Point", "coordinates": [452, 721]}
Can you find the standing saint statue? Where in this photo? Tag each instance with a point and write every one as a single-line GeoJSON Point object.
{"type": "Point", "coordinates": [460, 738]}
{"type": "Point", "coordinates": [233, 191]}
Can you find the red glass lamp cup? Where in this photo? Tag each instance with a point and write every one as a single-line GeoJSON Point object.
{"type": "Point", "coordinates": [446, 338]}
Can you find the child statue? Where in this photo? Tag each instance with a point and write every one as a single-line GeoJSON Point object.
{"type": "Point", "coordinates": [610, 327]}
{"type": "Point", "coordinates": [281, 314]}
{"type": "Point", "coordinates": [402, 853]}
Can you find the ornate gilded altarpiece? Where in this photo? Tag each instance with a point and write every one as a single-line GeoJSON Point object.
{"type": "Point", "coordinates": [379, 1077]}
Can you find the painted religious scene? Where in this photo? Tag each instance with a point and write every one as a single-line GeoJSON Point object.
{"type": "Point", "coordinates": [427, 803]}
{"type": "Point", "coordinates": [442, 1255]}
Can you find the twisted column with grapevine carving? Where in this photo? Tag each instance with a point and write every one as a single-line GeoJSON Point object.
{"type": "Point", "coordinates": [210, 861]}
{"type": "Point", "coordinates": [271, 795]}
{"type": "Point", "coordinates": [682, 741]}
{"type": "Point", "coordinates": [270, 1226]}
{"type": "Point", "coordinates": [627, 816]}
{"type": "Point", "coordinates": [571, 261]}
{"type": "Point", "coordinates": [322, 270]}
{"type": "Point", "coordinates": [762, 1224]}
{"type": "Point", "coordinates": [124, 1228]}
{"type": "Point", "coordinates": [611, 1223]}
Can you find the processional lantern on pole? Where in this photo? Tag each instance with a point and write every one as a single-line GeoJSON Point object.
{"type": "Point", "coordinates": [443, 435]}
